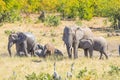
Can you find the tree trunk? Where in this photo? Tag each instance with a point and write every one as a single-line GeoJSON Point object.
{"type": "Point", "coordinates": [118, 24]}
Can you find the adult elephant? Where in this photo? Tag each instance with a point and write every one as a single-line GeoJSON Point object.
{"type": "Point", "coordinates": [72, 36]}
{"type": "Point", "coordinates": [24, 41]}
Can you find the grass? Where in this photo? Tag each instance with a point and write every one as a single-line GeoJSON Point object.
{"type": "Point", "coordinates": [16, 68]}
{"type": "Point", "coordinates": [24, 66]}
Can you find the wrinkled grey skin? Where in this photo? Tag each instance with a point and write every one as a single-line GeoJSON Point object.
{"type": "Point", "coordinates": [87, 45]}
{"type": "Point", "coordinates": [98, 44]}
{"type": "Point", "coordinates": [39, 50]}
{"type": "Point", "coordinates": [25, 43]}
{"type": "Point", "coordinates": [72, 36]}
{"type": "Point", "coordinates": [38, 46]}
{"type": "Point", "coordinates": [58, 52]}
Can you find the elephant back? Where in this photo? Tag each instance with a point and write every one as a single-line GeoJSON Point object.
{"type": "Point", "coordinates": [100, 43]}
{"type": "Point", "coordinates": [88, 34]}
{"type": "Point", "coordinates": [30, 38]}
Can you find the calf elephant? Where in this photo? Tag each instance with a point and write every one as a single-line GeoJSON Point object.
{"type": "Point", "coordinates": [49, 49]}
{"type": "Point", "coordinates": [24, 41]}
{"type": "Point", "coordinates": [71, 37]}
{"type": "Point", "coordinates": [87, 45]}
{"type": "Point", "coordinates": [39, 50]}
{"type": "Point", "coordinates": [97, 44]}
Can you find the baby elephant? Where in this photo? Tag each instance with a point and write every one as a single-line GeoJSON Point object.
{"type": "Point", "coordinates": [39, 50]}
{"type": "Point", "coordinates": [97, 44]}
{"type": "Point", "coordinates": [49, 49]}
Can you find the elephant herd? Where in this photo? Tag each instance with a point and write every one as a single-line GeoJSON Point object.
{"type": "Point", "coordinates": [26, 44]}
{"type": "Point", "coordinates": [73, 37]}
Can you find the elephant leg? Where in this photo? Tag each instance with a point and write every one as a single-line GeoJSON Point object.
{"type": "Point", "coordinates": [100, 55]}
{"type": "Point", "coordinates": [33, 50]}
{"type": "Point", "coordinates": [18, 49]}
{"type": "Point", "coordinates": [91, 53]}
{"type": "Point", "coordinates": [69, 50]}
{"type": "Point", "coordinates": [75, 51]}
{"type": "Point", "coordinates": [32, 53]}
{"type": "Point", "coordinates": [85, 52]}
{"type": "Point", "coordinates": [105, 54]}
{"type": "Point", "coordinates": [25, 48]}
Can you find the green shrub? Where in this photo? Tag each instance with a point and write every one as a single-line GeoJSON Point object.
{"type": "Point", "coordinates": [10, 16]}
{"type": "Point", "coordinates": [41, 76]}
{"type": "Point", "coordinates": [85, 74]}
{"type": "Point", "coordinates": [82, 73]}
{"type": "Point", "coordinates": [52, 21]}
{"type": "Point", "coordinates": [114, 70]}
{"type": "Point", "coordinates": [7, 32]}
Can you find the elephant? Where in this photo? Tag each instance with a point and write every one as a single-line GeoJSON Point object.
{"type": "Point", "coordinates": [72, 36]}
{"type": "Point", "coordinates": [49, 49]}
{"type": "Point", "coordinates": [86, 45]}
{"type": "Point", "coordinates": [24, 41]}
{"type": "Point", "coordinates": [39, 50]}
{"type": "Point", "coordinates": [39, 46]}
{"type": "Point", "coordinates": [97, 44]}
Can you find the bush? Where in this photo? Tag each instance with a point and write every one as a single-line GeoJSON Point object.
{"type": "Point", "coordinates": [85, 74]}
{"type": "Point", "coordinates": [41, 76]}
{"type": "Point", "coordinates": [10, 16]}
{"type": "Point", "coordinates": [52, 21]}
{"type": "Point", "coordinates": [114, 70]}
{"type": "Point", "coordinates": [7, 32]}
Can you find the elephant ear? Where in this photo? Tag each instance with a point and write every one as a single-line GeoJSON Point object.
{"type": "Point", "coordinates": [79, 34]}
{"type": "Point", "coordinates": [65, 33]}
{"type": "Point", "coordinates": [21, 37]}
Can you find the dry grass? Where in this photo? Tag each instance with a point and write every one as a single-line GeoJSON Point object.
{"type": "Point", "coordinates": [23, 66]}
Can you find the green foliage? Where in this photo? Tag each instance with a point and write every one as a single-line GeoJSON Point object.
{"type": "Point", "coordinates": [41, 76]}
{"type": "Point", "coordinates": [82, 73]}
{"type": "Point", "coordinates": [7, 32]}
{"type": "Point", "coordinates": [10, 10]}
{"type": "Point", "coordinates": [114, 70]}
{"type": "Point", "coordinates": [86, 74]}
{"type": "Point", "coordinates": [52, 21]}
{"type": "Point", "coordinates": [112, 74]}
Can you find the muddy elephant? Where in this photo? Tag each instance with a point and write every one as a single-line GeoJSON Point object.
{"type": "Point", "coordinates": [97, 44]}
{"type": "Point", "coordinates": [72, 36]}
{"type": "Point", "coordinates": [49, 49]}
{"type": "Point", "coordinates": [24, 41]}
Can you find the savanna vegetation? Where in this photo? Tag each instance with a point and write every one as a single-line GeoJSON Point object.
{"type": "Point", "coordinates": [24, 15]}
{"type": "Point", "coordinates": [13, 10]}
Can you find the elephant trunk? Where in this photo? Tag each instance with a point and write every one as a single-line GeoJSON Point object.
{"type": "Point", "coordinates": [9, 46]}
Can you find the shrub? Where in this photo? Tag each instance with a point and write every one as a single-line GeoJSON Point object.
{"type": "Point", "coordinates": [86, 74]}
{"type": "Point", "coordinates": [52, 21]}
{"type": "Point", "coordinates": [7, 32]}
{"type": "Point", "coordinates": [10, 16]}
{"type": "Point", "coordinates": [41, 76]}
{"type": "Point", "coordinates": [114, 70]}
{"type": "Point", "coordinates": [82, 73]}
